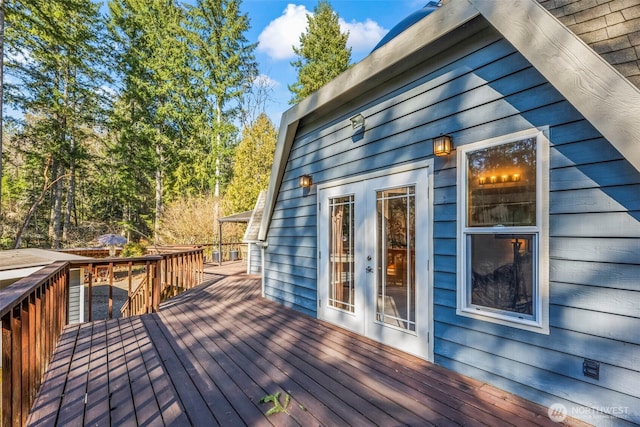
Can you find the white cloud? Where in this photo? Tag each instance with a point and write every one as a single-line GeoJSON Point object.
{"type": "Point", "coordinates": [264, 81]}
{"type": "Point", "coordinates": [283, 32]}
{"type": "Point", "coordinates": [277, 39]}
{"type": "Point", "coordinates": [363, 36]}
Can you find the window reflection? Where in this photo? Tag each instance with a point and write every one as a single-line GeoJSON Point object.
{"type": "Point", "coordinates": [501, 183]}
{"type": "Point", "coordinates": [341, 248]}
{"type": "Point", "coordinates": [396, 293]}
{"type": "Point", "coordinates": [502, 273]}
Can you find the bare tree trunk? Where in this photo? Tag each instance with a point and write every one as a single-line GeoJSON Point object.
{"type": "Point", "coordinates": [71, 189]}
{"type": "Point", "coordinates": [1, 104]}
{"type": "Point", "coordinates": [71, 192]}
{"type": "Point", "coordinates": [216, 190]}
{"type": "Point", "coordinates": [56, 206]}
{"type": "Point", "coordinates": [32, 210]}
{"type": "Point", "coordinates": [156, 226]}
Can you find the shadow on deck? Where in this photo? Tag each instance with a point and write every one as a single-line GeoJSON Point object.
{"type": "Point", "coordinates": [210, 355]}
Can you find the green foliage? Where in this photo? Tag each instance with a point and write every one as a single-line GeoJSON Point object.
{"type": "Point", "coordinates": [323, 52]}
{"type": "Point", "coordinates": [224, 70]}
{"type": "Point", "coordinates": [252, 166]}
{"type": "Point", "coordinates": [55, 52]}
{"type": "Point", "coordinates": [121, 116]}
{"type": "Point", "coordinates": [277, 407]}
{"type": "Point", "coordinates": [133, 249]}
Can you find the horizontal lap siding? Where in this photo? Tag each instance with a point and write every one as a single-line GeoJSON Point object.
{"type": "Point", "coordinates": [489, 91]}
{"type": "Point", "coordinates": [256, 259]}
{"type": "Point", "coordinates": [594, 282]}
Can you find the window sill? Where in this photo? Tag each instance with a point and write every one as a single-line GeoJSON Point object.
{"type": "Point", "coordinates": [540, 327]}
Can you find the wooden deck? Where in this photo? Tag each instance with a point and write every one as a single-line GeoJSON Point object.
{"type": "Point", "coordinates": [210, 355]}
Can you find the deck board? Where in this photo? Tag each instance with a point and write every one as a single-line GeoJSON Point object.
{"type": "Point", "coordinates": [211, 354]}
{"type": "Point", "coordinates": [171, 408]}
{"type": "Point", "coordinates": [96, 411]}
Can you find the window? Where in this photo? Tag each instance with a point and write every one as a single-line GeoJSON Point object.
{"type": "Point", "coordinates": [502, 237]}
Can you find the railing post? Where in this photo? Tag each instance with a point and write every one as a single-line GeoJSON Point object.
{"type": "Point", "coordinates": [16, 383]}
{"type": "Point", "coordinates": [38, 340]}
{"type": "Point", "coordinates": [90, 284]}
{"type": "Point", "coordinates": [147, 294]}
{"type": "Point", "coordinates": [130, 277]}
{"type": "Point", "coordinates": [110, 310]}
{"type": "Point", "coordinates": [26, 368]}
{"type": "Point", "coordinates": [7, 369]}
{"type": "Point", "coordinates": [156, 285]}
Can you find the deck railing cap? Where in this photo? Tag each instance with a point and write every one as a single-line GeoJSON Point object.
{"type": "Point", "coordinates": [23, 287]}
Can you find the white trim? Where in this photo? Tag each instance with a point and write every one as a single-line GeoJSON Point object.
{"type": "Point", "coordinates": [424, 294]}
{"type": "Point", "coordinates": [399, 168]}
{"type": "Point", "coordinates": [540, 321]}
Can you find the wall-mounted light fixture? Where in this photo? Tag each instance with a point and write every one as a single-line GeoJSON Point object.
{"type": "Point", "coordinates": [357, 121]}
{"type": "Point", "coordinates": [305, 181]}
{"type": "Point", "coordinates": [442, 145]}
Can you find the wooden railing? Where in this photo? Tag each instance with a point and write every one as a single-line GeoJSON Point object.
{"type": "Point", "coordinates": [34, 311]}
{"type": "Point", "coordinates": [231, 251]}
{"type": "Point", "coordinates": [178, 271]}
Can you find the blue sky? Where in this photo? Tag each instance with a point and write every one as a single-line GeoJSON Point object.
{"type": "Point", "coordinates": [277, 25]}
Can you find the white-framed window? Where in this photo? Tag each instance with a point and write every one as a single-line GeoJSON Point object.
{"type": "Point", "coordinates": [503, 274]}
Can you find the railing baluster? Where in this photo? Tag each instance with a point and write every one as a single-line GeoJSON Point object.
{"type": "Point", "coordinates": [89, 290]}
{"type": "Point", "coordinates": [110, 308]}
{"type": "Point", "coordinates": [16, 356]}
{"type": "Point", "coordinates": [7, 370]}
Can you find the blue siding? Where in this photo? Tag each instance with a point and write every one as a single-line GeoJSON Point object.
{"type": "Point", "coordinates": [486, 89]}
{"type": "Point", "coordinates": [256, 259]}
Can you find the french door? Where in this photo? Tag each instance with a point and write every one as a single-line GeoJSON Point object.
{"type": "Point", "coordinates": [373, 258]}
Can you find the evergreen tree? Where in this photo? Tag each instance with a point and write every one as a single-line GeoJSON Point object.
{"type": "Point", "coordinates": [323, 52]}
{"type": "Point", "coordinates": [151, 117]}
{"type": "Point", "coordinates": [226, 68]}
{"type": "Point", "coordinates": [55, 52]}
{"type": "Point", "coordinates": [252, 166]}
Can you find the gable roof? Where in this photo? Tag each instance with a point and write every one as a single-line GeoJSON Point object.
{"type": "Point", "coordinates": [597, 90]}
{"type": "Point", "coordinates": [251, 235]}
{"type": "Point", "coordinates": [237, 217]}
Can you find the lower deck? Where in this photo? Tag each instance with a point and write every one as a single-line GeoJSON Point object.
{"type": "Point", "coordinates": [213, 354]}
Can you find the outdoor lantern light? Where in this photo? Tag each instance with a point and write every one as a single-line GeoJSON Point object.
{"type": "Point", "coordinates": [442, 145]}
{"type": "Point", "coordinates": [305, 181]}
{"type": "Point", "coordinates": [357, 121]}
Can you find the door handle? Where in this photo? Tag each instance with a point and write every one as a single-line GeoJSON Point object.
{"type": "Point", "coordinates": [369, 269]}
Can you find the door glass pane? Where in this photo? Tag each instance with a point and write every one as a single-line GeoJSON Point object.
{"type": "Point", "coordinates": [341, 250]}
{"type": "Point", "coordinates": [501, 183]}
{"type": "Point", "coordinates": [396, 257]}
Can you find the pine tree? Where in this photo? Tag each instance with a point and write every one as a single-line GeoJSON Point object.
{"type": "Point", "coordinates": [323, 52]}
{"type": "Point", "coordinates": [151, 116]}
{"type": "Point", "coordinates": [226, 68]}
{"type": "Point", "coordinates": [55, 51]}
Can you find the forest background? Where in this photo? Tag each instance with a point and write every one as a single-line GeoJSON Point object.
{"type": "Point", "coordinates": [147, 122]}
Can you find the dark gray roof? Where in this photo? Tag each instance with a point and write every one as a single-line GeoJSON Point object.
{"type": "Point", "coordinates": [407, 22]}
{"type": "Point", "coordinates": [239, 217]}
